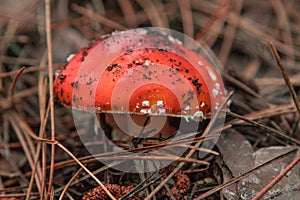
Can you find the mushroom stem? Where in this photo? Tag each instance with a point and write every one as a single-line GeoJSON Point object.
{"type": "Point", "coordinates": [124, 127]}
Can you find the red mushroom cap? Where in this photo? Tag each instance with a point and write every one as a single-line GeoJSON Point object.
{"type": "Point", "coordinates": [141, 73]}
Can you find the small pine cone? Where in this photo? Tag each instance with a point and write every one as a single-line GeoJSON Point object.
{"type": "Point", "coordinates": [127, 189]}
{"type": "Point", "coordinates": [183, 183]}
{"type": "Point", "coordinates": [181, 186]}
{"type": "Point", "coordinates": [98, 193]}
{"type": "Point", "coordinates": [117, 191]}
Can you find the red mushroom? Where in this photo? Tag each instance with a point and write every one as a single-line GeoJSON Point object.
{"type": "Point", "coordinates": [141, 73]}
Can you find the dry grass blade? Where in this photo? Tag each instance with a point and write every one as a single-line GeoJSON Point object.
{"type": "Point", "coordinates": [283, 23]}
{"type": "Point", "coordinates": [26, 144]}
{"type": "Point", "coordinates": [152, 13]}
{"type": "Point", "coordinates": [5, 103]}
{"type": "Point", "coordinates": [44, 115]}
{"type": "Point", "coordinates": [220, 11]}
{"type": "Point", "coordinates": [285, 75]}
{"type": "Point", "coordinates": [129, 13]}
{"type": "Point", "coordinates": [10, 31]}
{"type": "Point", "coordinates": [15, 196]}
{"type": "Point", "coordinates": [51, 101]}
{"type": "Point", "coordinates": [69, 183]}
{"type": "Point", "coordinates": [112, 155]}
{"type": "Point", "coordinates": [266, 113]}
{"type": "Point", "coordinates": [272, 130]}
{"type": "Point", "coordinates": [229, 33]}
{"type": "Point", "coordinates": [18, 61]}
{"type": "Point", "coordinates": [101, 19]}
{"type": "Point", "coordinates": [37, 156]}
{"type": "Point", "coordinates": [28, 70]}
{"type": "Point", "coordinates": [244, 87]}
{"type": "Point", "coordinates": [13, 84]}
{"type": "Point", "coordinates": [26, 128]}
{"type": "Point", "coordinates": [187, 17]}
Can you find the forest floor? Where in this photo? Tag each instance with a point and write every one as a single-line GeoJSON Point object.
{"type": "Point", "coordinates": [256, 46]}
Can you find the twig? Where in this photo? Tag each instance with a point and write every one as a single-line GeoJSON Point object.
{"type": "Point", "coordinates": [13, 85]}
{"type": "Point", "coordinates": [285, 75]}
{"type": "Point", "coordinates": [276, 132]}
{"type": "Point", "coordinates": [277, 178]}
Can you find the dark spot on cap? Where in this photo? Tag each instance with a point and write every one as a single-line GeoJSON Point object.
{"type": "Point", "coordinates": [74, 84]}
{"type": "Point", "coordinates": [145, 67]}
{"type": "Point", "coordinates": [61, 92]}
{"type": "Point", "coordinates": [198, 85]}
{"type": "Point", "coordinates": [90, 81]}
{"type": "Point", "coordinates": [146, 77]}
{"type": "Point", "coordinates": [115, 107]}
{"type": "Point", "coordinates": [187, 103]}
{"type": "Point", "coordinates": [109, 68]}
{"type": "Point", "coordinates": [62, 77]}
{"type": "Point", "coordinates": [84, 53]}
{"type": "Point", "coordinates": [67, 103]}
